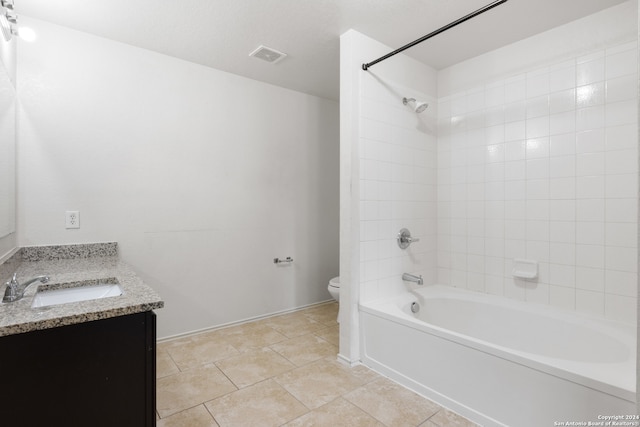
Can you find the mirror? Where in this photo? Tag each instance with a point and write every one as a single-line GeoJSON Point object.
{"type": "Point", "coordinates": [7, 153]}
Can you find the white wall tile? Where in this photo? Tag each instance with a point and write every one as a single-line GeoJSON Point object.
{"type": "Point", "coordinates": [537, 147]}
{"type": "Point", "coordinates": [621, 234]}
{"type": "Point", "coordinates": [515, 111]}
{"type": "Point", "coordinates": [621, 210]}
{"type": "Point", "coordinates": [515, 170]}
{"type": "Point", "coordinates": [565, 100]}
{"type": "Point", "coordinates": [622, 88]}
{"type": "Point", "coordinates": [562, 123]}
{"type": "Point", "coordinates": [563, 78]}
{"type": "Point", "coordinates": [621, 283]}
{"type": "Point", "coordinates": [590, 233]}
{"type": "Point", "coordinates": [562, 231]}
{"type": "Point", "coordinates": [590, 72]}
{"type": "Point", "coordinates": [495, 94]}
{"type": "Point", "coordinates": [495, 171]}
{"type": "Point", "coordinates": [590, 256]}
{"type": "Point", "coordinates": [562, 166]}
{"type": "Point", "coordinates": [562, 188]}
{"type": "Point", "coordinates": [621, 186]}
{"type": "Point", "coordinates": [515, 89]}
{"type": "Point", "coordinates": [590, 141]}
{"type": "Point", "coordinates": [590, 95]}
{"type": "Point", "coordinates": [538, 127]}
{"type": "Point", "coordinates": [514, 131]}
{"type": "Point", "coordinates": [622, 63]}
{"type": "Point", "coordinates": [562, 145]}
{"type": "Point", "coordinates": [621, 258]}
{"type": "Point", "coordinates": [590, 210]}
{"type": "Point", "coordinates": [562, 253]}
{"type": "Point", "coordinates": [621, 137]}
{"type": "Point", "coordinates": [621, 113]}
{"type": "Point", "coordinates": [590, 164]}
{"type": "Point", "coordinates": [590, 279]}
{"type": "Point", "coordinates": [538, 250]}
{"type": "Point", "coordinates": [589, 118]}
{"type": "Point", "coordinates": [560, 162]}
{"type": "Point", "coordinates": [537, 168]}
{"type": "Point", "coordinates": [537, 84]}
{"type": "Point", "coordinates": [538, 106]}
{"type": "Point", "coordinates": [590, 187]}
{"type": "Point", "coordinates": [537, 189]}
{"type": "Point", "coordinates": [562, 275]}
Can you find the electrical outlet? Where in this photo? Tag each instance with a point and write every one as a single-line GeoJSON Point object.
{"type": "Point", "coordinates": [72, 219]}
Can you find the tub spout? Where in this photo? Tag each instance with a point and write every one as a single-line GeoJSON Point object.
{"type": "Point", "coordinates": [412, 278]}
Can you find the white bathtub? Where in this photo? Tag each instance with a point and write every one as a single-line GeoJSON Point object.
{"type": "Point", "coordinates": [499, 361]}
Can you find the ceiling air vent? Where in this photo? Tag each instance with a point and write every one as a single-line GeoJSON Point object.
{"type": "Point", "coordinates": [268, 54]}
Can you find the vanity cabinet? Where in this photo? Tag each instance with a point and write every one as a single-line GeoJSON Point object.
{"type": "Point", "coordinates": [96, 373]}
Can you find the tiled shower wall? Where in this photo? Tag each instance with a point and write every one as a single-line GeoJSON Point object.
{"type": "Point", "coordinates": [543, 165]}
{"type": "Point", "coordinates": [397, 187]}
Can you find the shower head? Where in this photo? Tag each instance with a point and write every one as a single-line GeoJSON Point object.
{"type": "Point", "coordinates": [419, 105]}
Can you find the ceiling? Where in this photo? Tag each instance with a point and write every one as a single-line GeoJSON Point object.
{"type": "Point", "coordinates": [221, 33]}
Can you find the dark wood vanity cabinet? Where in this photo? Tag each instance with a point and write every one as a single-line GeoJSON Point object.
{"type": "Point", "coordinates": [97, 373]}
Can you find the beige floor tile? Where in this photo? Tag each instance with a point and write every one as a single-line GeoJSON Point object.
{"type": "Point", "coordinates": [330, 334]}
{"type": "Point", "coordinates": [184, 390]}
{"type": "Point", "coordinates": [320, 382]}
{"type": "Point", "coordinates": [249, 336]}
{"type": "Point", "coordinates": [305, 349]}
{"type": "Point", "coordinates": [164, 364]}
{"type": "Point", "coordinates": [392, 404]}
{"type": "Point", "coordinates": [446, 418]}
{"type": "Point", "coordinates": [193, 417]}
{"type": "Point", "coordinates": [428, 424]}
{"type": "Point", "coordinates": [177, 342]}
{"type": "Point", "coordinates": [325, 313]}
{"type": "Point", "coordinates": [293, 324]}
{"type": "Point", "coordinates": [201, 350]}
{"type": "Point", "coordinates": [262, 405]}
{"type": "Point", "coordinates": [253, 366]}
{"type": "Point", "coordinates": [338, 412]}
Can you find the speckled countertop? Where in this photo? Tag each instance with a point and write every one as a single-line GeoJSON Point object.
{"type": "Point", "coordinates": [18, 317]}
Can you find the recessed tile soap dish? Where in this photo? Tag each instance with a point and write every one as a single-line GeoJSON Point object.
{"type": "Point", "coordinates": [525, 269]}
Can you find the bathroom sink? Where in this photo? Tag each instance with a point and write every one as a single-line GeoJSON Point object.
{"type": "Point", "coordinates": [80, 293]}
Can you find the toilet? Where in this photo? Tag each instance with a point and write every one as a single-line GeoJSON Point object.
{"type": "Point", "coordinates": [334, 290]}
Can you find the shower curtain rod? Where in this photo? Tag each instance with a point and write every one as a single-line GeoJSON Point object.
{"type": "Point", "coordinates": [366, 66]}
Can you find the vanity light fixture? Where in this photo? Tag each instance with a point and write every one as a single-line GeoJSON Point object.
{"type": "Point", "coordinates": [8, 19]}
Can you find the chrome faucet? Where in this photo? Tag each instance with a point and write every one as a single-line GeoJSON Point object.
{"type": "Point", "coordinates": [412, 278]}
{"type": "Point", "coordinates": [15, 290]}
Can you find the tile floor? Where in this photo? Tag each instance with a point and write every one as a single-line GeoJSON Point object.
{"type": "Point", "coordinates": [281, 371]}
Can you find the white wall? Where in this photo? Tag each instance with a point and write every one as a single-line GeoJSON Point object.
{"type": "Point", "coordinates": [388, 177]}
{"type": "Point", "coordinates": [538, 159]}
{"type": "Point", "coordinates": [203, 177]}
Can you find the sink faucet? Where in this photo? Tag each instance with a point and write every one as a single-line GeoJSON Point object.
{"type": "Point", "coordinates": [412, 278]}
{"type": "Point", "coordinates": [15, 290]}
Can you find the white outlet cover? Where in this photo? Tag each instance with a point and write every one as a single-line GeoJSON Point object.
{"type": "Point", "coordinates": [72, 219]}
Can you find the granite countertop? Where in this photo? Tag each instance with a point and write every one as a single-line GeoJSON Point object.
{"type": "Point", "coordinates": [18, 317]}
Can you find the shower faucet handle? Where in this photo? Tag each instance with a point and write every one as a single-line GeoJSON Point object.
{"type": "Point", "coordinates": [405, 239]}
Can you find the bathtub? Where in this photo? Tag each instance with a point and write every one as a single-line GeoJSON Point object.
{"type": "Point", "coordinates": [499, 361]}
